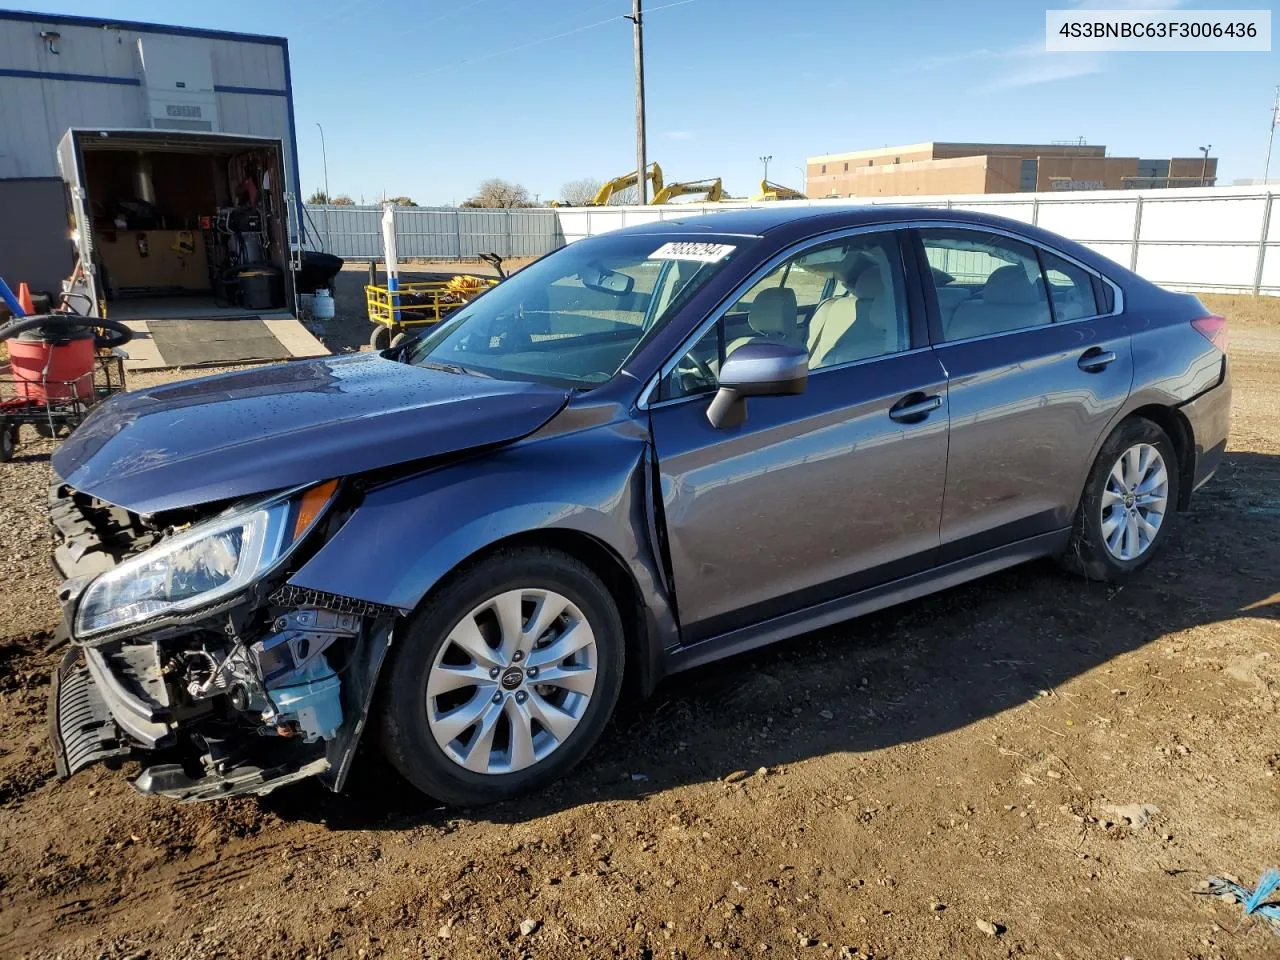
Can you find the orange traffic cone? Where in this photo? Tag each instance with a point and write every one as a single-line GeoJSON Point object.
{"type": "Point", "coordinates": [24, 299]}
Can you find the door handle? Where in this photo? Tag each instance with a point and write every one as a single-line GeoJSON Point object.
{"type": "Point", "coordinates": [914, 407]}
{"type": "Point", "coordinates": [1095, 360]}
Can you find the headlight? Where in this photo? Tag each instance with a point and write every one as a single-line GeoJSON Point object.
{"type": "Point", "coordinates": [200, 566]}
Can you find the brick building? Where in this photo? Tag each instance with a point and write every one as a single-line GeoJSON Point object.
{"type": "Point", "coordinates": [950, 168]}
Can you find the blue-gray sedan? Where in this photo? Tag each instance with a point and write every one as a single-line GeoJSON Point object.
{"type": "Point", "coordinates": [645, 451]}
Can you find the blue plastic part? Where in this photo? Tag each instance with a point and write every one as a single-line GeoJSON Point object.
{"type": "Point", "coordinates": [312, 699]}
{"type": "Point", "coordinates": [10, 300]}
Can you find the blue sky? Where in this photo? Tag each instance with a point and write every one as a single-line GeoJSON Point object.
{"type": "Point", "coordinates": [427, 98]}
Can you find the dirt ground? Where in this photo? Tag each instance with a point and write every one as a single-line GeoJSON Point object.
{"type": "Point", "coordinates": [1061, 761]}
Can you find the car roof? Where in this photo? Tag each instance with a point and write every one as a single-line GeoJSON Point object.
{"type": "Point", "coordinates": [759, 221]}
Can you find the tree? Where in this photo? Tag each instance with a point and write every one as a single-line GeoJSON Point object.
{"type": "Point", "coordinates": [581, 191]}
{"type": "Point", "coordinates": [496, 192]}
{"type": "Point", "coordinates": [342, 200]}
{"type": "Point", "coordinates": [318, 197]}
{"type": "Point", "coordinates": [402, 202]}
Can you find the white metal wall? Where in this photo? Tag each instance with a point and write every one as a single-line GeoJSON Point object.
{"type": "Point", "coordinates": [1215, 239]}
{"type": "Point", "coordinates": [95, 80]}
{"type": "Point", "coordinates": [1224, 239]}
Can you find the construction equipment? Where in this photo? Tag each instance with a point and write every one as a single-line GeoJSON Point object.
{"type": "Point", "coordinates": [712, 189]}
{"type": "Point", "coordinates": [652, 173]}
{"type": "Point", "coordinates": [776, 191]}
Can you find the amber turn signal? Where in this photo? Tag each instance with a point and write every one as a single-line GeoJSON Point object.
{"type": "Point", "coordinates": [312, 503]}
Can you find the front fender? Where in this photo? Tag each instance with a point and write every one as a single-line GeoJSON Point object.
{"type": "Point", "coordinates": [407, 535]}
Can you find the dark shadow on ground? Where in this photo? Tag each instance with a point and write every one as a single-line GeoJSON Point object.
{"type": "Point", "coordinates": [898, 676]}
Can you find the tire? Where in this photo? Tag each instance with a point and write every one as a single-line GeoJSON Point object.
{"type": "Point", "coordinates": [1101, 550]}
{"type": "Point", "coordinates": [415, 724]}
{"type": "Point", "coordinates": [8, 441]}
{"type": "Point", "coordinates": [380, 338]}
{"type": "Point", "coordinates": [399, 338]}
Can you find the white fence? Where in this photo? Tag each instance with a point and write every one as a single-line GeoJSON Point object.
{"type": "Point", "coordinates": [1213, 239]}
{"type": "Point", "coordinates": [434, 233]}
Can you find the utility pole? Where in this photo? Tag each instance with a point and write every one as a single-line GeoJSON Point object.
{"type": "Point", "coordinates": [1271, 135]}
{"type": "Point", "coordinates": [1204, 167]}
{"type": "Point", "coordinates": [765, 161]}
{"type": "Point", "coordinates": [637, 33]}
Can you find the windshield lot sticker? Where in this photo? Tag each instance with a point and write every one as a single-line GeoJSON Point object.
{"type": "Point", "coordinates": [701, 252]}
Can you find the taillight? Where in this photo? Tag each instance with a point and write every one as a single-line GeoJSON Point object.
{"type": "Point", "coordinates": [1214, 329]}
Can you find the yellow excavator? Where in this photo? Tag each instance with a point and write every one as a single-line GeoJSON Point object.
{"type": "Point", "coordinates": [776, 191]}
{"type": "Point", "coordinates": [652, 173]}
{"type": "Point", "coordinates": [712, 191]}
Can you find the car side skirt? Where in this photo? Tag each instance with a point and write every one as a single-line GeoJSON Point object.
{"type": "Point", "coordinates": [867, 601]}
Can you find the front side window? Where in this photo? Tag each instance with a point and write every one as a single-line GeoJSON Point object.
{"type": "Point", "coordinates": [985, 283]}
{"type": "Point", "coordinates": [841, 301]}
{"type": "Point", "coordinates": [574, 317]}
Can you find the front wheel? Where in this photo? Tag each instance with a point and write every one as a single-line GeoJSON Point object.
{"type": "Point", "coordinates": [1128, 505]}
{"type": "Point", "coordinates": [504, 679]}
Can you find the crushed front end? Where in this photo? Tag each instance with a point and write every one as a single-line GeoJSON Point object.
{"type": "Point", "coordinates": [191, 653]}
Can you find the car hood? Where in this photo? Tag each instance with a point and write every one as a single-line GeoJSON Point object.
{"type": "Point", "coordinates": [267, 428]}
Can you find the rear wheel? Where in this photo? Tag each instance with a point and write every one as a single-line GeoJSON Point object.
{"type": "Point", "coordinates": [380, 338]}
{"type": "Point", "coordinates": [504, 679]}
{"type": "Point", "coordinates": [1129, 503]}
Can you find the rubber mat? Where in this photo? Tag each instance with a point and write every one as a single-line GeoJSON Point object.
{"type": "Point", "coordinates": [194, 343]}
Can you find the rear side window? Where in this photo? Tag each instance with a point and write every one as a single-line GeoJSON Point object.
{"type": "Point", "coordinates": [1070, 289]}
{"type": "Point", "coordinates": [985, 283]}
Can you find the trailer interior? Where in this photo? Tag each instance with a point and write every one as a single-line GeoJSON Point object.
{"type": "Point", "coordinates": [183, 225]}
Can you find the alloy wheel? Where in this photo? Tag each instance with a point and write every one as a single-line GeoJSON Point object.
{"type": "Point", "coordinates": [512, 681]}
{"type": "Point", "coordinates": [1134, 501]}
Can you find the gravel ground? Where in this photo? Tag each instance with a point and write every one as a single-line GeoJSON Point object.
{"type": "Point", "coordinates": [1029, 765]}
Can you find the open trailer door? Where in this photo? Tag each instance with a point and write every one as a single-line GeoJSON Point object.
{"type": "Point", "coordinates": [72, 171]}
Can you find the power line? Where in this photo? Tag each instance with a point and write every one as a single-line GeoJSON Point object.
{"type": "Point", "coordinates": [531, 43]}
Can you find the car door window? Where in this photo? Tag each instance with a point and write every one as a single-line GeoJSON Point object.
{"type": "Point", "coordinates": [985, 283]}
{"type": "Point", "coordinates": [841, 301]}
{"type": "Point", "coordinates": [1070, 289]}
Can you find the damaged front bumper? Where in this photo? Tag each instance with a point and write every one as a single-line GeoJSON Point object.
{"type": "Point", "coordinates": [253, 695]}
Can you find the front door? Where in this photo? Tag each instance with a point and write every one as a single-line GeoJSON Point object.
{"type": "Point", "coordinates": [818, 495]}
{"type": "Point", "coordinates": [1034, 376]}
{"type": "Point", "coordinates": [87, 291]}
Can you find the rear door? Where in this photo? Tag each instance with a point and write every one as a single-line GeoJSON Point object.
{"type": "Point", "coordinates": [70, 167]}
{"type": "Point", "coordinates": [1036, 368]}
{"type": "Point", "coordinates": [818, 495]}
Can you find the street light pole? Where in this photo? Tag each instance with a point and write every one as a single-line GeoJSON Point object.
{"type": "Point", "coordinates": [1204, 167]}
{"type": "Point", "coordinates": [325, 157]}
{"type": "Point", "coordinates": [765, 161]}
{"type": "Point", "coordinates": [1271, 135]}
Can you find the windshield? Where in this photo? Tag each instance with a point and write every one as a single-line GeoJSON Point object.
{"type": "Point", "coordinates": [574, 317]}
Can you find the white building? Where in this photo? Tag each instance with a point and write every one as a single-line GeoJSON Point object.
{"type": "Point", "coordinates": [59, 73]}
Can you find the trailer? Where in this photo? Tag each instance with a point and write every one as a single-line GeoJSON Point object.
{"type": "Point", "coordinates": [181, 224]}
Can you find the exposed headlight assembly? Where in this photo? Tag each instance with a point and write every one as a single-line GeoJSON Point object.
{"type": "Point", "coordinates": [206, 563]}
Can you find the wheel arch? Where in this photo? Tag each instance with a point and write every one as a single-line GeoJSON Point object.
{"type": "Point", "coordinates": [1174, 423]}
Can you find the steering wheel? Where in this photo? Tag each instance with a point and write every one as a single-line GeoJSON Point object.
{"type": "Point", "coordinates": [690, 368]}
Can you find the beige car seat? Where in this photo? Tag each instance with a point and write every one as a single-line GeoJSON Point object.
{"type": "Point", "coordinates": [1009, 301]}
{"type": "Point", "coordinates": [772, 316]}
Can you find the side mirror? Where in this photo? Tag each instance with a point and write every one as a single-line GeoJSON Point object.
{"type": "Point", "coordinates": [759, 369]}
